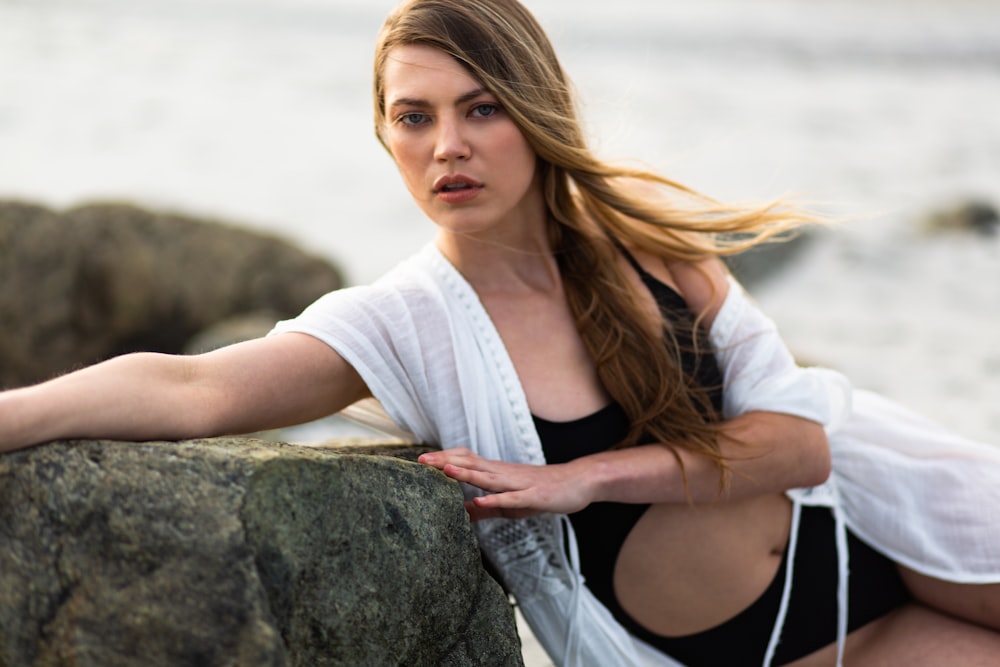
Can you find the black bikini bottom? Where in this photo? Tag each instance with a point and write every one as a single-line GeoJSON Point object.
{"type": "Point", "coordinates": [874, 589]}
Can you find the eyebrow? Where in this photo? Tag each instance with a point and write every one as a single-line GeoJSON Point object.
{"type": "Point", "coordinates": [423, 104]}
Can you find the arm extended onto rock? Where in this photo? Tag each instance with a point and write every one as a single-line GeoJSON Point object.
{"type": "Point", "coordinates": [264, 383]}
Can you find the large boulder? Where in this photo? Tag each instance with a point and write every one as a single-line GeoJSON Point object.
{"type": "Point", "coordinates": [240, 553]}
{"type": "Point", "coordinates": [100, 280]}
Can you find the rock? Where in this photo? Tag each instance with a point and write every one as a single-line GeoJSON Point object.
{"type": "Point", "coordinates": [975, 216]}
{"type": "Point", "coordinates": [235, 552]}
{"type": "Point", "coordinates": [100, 280]}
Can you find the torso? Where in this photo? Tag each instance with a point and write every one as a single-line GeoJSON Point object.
{"type": "Point", "coordinates": [721, 557]}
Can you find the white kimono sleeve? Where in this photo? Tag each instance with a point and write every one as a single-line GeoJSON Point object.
{"type": "Point", "coordinates": [760, 373]}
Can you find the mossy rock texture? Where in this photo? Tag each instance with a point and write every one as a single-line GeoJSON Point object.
{"type": "Point", "coordinates": [239, 552]}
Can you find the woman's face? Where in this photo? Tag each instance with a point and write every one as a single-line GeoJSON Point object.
{"type": "Point", "coordinates": [464, 161]}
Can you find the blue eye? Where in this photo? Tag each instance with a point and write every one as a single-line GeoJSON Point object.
{"type": "Point", "coordinates": [485, 110]}
{"type": "Point", "coordinates": [413, 119]}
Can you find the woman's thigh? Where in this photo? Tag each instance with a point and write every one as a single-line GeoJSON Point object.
{"type": "Point", "coordinates": [915, 636]}
{"type": "Point", "coordinates": [979, 603]}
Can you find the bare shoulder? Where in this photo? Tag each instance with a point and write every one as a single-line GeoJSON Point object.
{"type": "Point", "coordinates": [703, 284]}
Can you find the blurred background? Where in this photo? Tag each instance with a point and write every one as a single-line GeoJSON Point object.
{"type": "Point", "coordinates": [259, 112]}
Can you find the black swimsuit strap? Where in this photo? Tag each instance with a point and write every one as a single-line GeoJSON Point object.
{"type": "Point", "coordinates": [630, 257]}
{"type": "Point", "coordinates": [665, 295]}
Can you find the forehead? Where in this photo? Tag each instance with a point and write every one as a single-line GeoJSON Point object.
{"type": "Point", "coordinates": [418, 71]}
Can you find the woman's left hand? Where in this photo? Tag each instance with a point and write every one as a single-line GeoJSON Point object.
{"type": "Point", "coordinates": [516, 490]}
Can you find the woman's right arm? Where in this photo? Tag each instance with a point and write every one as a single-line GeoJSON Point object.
{"type": "Point", "coordinates": [265, 383]}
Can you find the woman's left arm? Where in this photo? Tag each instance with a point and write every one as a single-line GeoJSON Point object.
{"type": "Point", "coordinates": [767, 453]}
{"type": "Point", "coordinates": [770, 444]}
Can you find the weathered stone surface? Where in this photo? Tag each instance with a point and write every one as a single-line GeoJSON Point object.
{"type": "Point", "coordinates": [99, 280]}
{"type": "Point", "coordinates": [239, 552]}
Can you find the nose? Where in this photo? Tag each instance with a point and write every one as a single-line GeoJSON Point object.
{"type": "Point", "coordinates": [451, 142]}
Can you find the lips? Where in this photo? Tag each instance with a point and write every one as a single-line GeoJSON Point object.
{"type": "Point", "coordinates": [456, 189]}
{"type": "Point", "coordinates": [450, 183]}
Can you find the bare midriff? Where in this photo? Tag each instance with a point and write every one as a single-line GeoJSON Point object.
{"type": "Point", "coordinates": [686, 568]}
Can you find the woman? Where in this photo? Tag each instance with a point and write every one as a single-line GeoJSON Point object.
{"type": "Point", "coordinates": [649, 471]}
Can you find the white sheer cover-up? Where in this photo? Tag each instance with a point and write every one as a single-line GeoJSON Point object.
{"type": "Point", "coordinates": [432, 358]}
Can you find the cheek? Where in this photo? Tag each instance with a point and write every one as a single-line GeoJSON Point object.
{"type": "Point", "coordinates": [522, 158]}
{"type": "Point", "coordinates": [515, 146]}
{"type": "Point", "coordinates": [407, 162]}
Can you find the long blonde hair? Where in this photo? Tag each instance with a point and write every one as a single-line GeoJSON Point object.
{"type": "Point", "coordinates": [593, 205]}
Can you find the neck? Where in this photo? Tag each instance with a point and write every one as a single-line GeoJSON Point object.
{"type": "Point", "coordinates": [518, 263]}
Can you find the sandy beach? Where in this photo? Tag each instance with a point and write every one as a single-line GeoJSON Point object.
{"type": "Point", "coordinates": [260, 112]}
